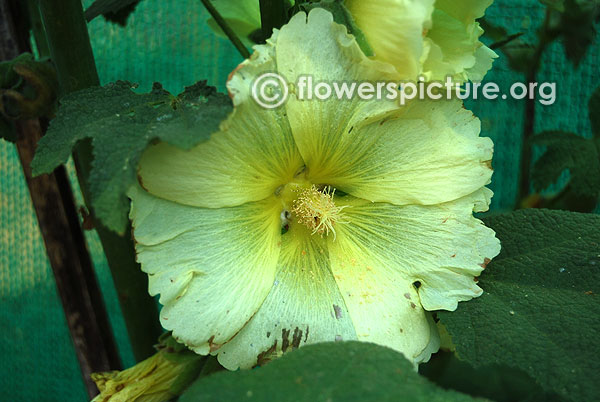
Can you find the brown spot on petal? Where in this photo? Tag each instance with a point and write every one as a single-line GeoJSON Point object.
{"type": "Point", "coordinates": [338, 311]}
{"type": "Point", "coordinates": [230, 76]}
{"type": "Point", "coordinates": [296, 338]}
{"type": "Point", "coordinates": [407, 295]}
{"type": "Point", "coordinates": [266, 356]}
{"type": "Point", "coordinates": [413, 305]}
{"type": "Point", "coordinates": [285, 341]}
{"type": "Point", "coordinates": [485, 263]}
{"type": "Point", "coordinates": [213, 346]}
{"type": "Point", "coordinates": [139, 177]}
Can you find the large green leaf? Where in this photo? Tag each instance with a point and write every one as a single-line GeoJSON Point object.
{"type": "Point", "coordinates": [539, 311]}
{"type": "Point", "coordinates": [341, 371]}
{"type": "Point", "coordinates": [498, 383]}
{"type": "Point", "coordinates": [121, 124]}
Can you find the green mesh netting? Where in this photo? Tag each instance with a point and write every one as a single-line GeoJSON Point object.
{"type": "Point", "coordinates": [169, 42]}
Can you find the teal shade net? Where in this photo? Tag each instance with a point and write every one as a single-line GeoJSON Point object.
{"type": "Point", "coordinates": [169, 42]}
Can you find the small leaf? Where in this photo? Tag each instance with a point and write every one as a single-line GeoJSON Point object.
{"type": "Point", "coordinates": [341, 371]}
{"type": "Point", "coordinates": [121, 124]}
{"type": "Point", "coordinates": [519, 55]}
{"type": "Point", "coordinates": [568, 151]}
{"type": "Point", "coordinates": [539, 311]}
{"type": "Point", "coordinates": [341, 15]}
{"type": "Point", "coordinates": [494, 32]}
{"type": "Point", "coordinates": [577, 27]}
{"type": "Point", "coordinates": [28, 88]}
{"type": "Point", "coordinates": [557, 5]}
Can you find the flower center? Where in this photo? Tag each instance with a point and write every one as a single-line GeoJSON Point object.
{"type": "Point", "coordinates": [316, 210]}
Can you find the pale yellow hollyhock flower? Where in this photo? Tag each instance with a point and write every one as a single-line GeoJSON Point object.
{"type": "Point", "coordinates": [208, 222]}
{"type": "Point", "coordinates": [422, 38]}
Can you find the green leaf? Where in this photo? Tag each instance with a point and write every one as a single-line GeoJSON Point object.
{"type": "Point", "coordinates": [568, 151]}
{"type": "Point", "coordinates": [499, 383]}
{"type": "Point", "coordinates": [116, 11]}
{"type": "Point", "coordinates": [519, 54]}
{"type": "Point", "coordinates": [28, 88]}
{"type": "Point", "coordinates": [121, 124]}
{"type": "Point", "coordinates": [341, 15]}
{"type": "Point", "coordinates": [558, 5]}
{"type": "Point", "coordinates": [577, 27]}
{"type": "Point", "coordinates": [341, 371]}
{"type": "Point", "coordinates": [594, 108]}
{"type": "Point", "coordinates": [539, 310]}
{"type": "Point", "coordinates": [498, 34]}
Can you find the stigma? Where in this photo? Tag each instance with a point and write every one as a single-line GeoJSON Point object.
{"type": "Point", "coordinates": [316, 210]}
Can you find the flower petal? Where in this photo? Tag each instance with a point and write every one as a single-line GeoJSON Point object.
{"type": "Point", "coordinates": [304, 306]}
{"type": "Point", "coordinates": [251, 155]}
{"type": "Point", "coordinates": [428, 152]}
{"type": "Point", "coordinates": [317, 46]}
{"type": "Point", "coordinates": [453, 44]}
{"type": "Point", "coordinates": [443, 247]}
{"type": "Point", "coordinates": [213, 268]}
{"type": "Point", "coordinates": [394, 29]}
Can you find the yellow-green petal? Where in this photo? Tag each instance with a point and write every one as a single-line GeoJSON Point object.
{"type": "Point", "coordinates": [452, 44]}
{"type": "Point", "coordinates": [428, 152]}
{"type": "Point", "coordinates": [303, 307]}
{"type": "Point", "coordinates": [394, 29]}
{"type": "Point", "coordinates": [442, 247]}
{"type": "Point", "coordinates": [382, 302]}
{"type": "Point", "coordinates": [247, 160]}
{"type": "Point", "coordinates": [319, 47]}
{"type": "Point", "coordinates": [213, 268]}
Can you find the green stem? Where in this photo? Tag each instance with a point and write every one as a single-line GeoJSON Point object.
{"type": "Point", "coordinates": [37, 28]}
{"type": "Point", "coordinates": [546, 37]}
{"type": "Point", "coordinates": [226, 28]}
{"type": "Point", "coordinates": [71, 52]}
